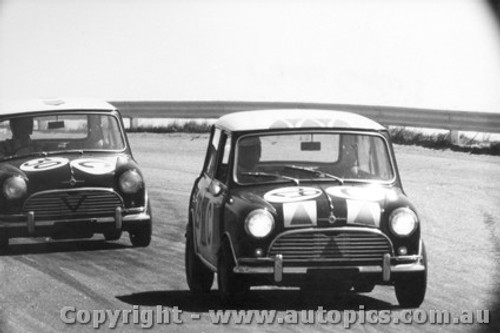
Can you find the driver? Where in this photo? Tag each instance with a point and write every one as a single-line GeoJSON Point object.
{"type": "Point", "coordinates": [350, 161]}
{"type": "Point", "coordinates": [249, 150]}
{"type": "Point", "coordinates": [20, 143]}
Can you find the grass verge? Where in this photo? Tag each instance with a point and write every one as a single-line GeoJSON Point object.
{"type": "Point", "coordinates": [404, 136]}
{"type": "Point", "coordinates": [191, 126]}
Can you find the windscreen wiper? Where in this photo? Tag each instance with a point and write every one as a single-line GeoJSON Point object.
{"type": "Point", "coordinates": [58, 152]}
{"type": "Point", "coordinates": [316, 172]}
{"type": "Point", "coordinates": [265, 174]}
{"type": "Point", "coordinates": [43, 154]}
{"type": "Point", "coordinates": [11, 157]}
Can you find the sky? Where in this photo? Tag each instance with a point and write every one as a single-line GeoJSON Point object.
{"type": "Point", "coordinates": [415, 53]}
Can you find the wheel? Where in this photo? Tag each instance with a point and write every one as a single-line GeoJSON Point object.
{"type": "Point", "coordinates": [141, 237]}
{"type": "Point", "coordinates": [199, 277]}
{"type": "Point", "coordinates": [362, 286]}
{"type": "Point", "coordinates": [113, 235]}
{"type": "Point", "coordinates": [232, 287]}
{"type": "Point", "coordinates": [410, 288]}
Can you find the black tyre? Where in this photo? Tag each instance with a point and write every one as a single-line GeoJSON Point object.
{"type": "Point", "coordinates": [410, 288]}
{"type": "Point", "coordinates": [141, 237]}
{"type": "Point", "coordinates": [363, 286]}
{"type": "Point", "coordinates": [232, 287]}
{"type": "Point", "coordinates": [199, 277]}
{"type": "Point", "coordinates": [113, 235]}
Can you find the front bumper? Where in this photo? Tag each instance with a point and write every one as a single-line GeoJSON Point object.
{"type": "Point", "coordinates": [27, 225]}
{"type": "Point", "coordinates": [276, 267]}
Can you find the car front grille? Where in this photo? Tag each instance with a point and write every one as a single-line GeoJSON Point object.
{"type": "Point", "coordinates": [333, 246]}
{"type": "Point", "coordinates": [73, 204]}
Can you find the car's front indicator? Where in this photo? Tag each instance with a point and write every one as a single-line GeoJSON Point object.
{"type": "Point", "coordinates": [259, 223]}
{"type": "Point", "coordinates": [130, 182]}
{"type": "Point", "coordinates": [15, 187]}
{"type": "Point", "coordinates": [403, 222]}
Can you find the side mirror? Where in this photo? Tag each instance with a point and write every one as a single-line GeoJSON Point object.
{"type": "Point", "coordinates": [215, 188]}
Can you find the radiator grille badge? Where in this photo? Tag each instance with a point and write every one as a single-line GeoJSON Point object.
{"type": "Point", "coordinates": [73, 181]}
{"type": "Point", "coordinates": [73, 205]}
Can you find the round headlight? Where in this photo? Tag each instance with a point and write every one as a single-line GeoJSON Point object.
{"type": "Point", "coordinates": [130, 181]}
{"type": "Point", "coordinates": [15, 187]}
{"type": "Point", "coordinates": [259, 223]}
{"type": "Point", "coordinates": [403, 222]}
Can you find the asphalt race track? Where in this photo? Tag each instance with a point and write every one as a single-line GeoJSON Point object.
{"type": "Point", "coordinates": [457, 194]}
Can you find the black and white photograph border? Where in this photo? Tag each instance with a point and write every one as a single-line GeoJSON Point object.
{"type": "Point", "coordinates": [428, 71]}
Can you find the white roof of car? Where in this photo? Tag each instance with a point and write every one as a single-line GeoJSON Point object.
{"type": "Point", "coordinates": [294, 118]}
{"type": "Point", "coordinates": [40, 105]}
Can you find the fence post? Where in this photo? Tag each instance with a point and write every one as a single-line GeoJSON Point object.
{"type": "Point", "coordinates": [455, 137]}
{"type": "Point", "coordinates": [134, 123]}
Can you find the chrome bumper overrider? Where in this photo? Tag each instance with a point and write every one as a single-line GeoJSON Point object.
{"type": "Point", "coordinates": [400, 264]}
{"type": "Point", "coordinates": [120, 216]}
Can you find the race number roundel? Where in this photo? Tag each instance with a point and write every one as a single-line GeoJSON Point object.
{"type": "Point", "coordinates": [93, 166]}
{"type": "Point", "coordinates": [291, 194]}
{"type": "Point", "coordinates": [44, 164]}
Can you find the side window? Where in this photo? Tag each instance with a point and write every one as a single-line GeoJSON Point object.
{"type": "Point", "coordinates": [218, 156]}
{"type": "Point", "coordinates": [223, 158]}
{"type": "Point", "coordinates": [212, 153]}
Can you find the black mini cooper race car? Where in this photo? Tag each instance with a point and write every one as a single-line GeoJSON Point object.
{"type": "Point", "coordinates": [67, 171]}
{"type": "Point", "coordinates": [305, 198]}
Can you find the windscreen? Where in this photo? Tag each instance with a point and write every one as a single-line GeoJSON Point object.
{"type": "Point", "coordinates": [310, 156]}
{"type": "Point", "coordinates": [23, 135]}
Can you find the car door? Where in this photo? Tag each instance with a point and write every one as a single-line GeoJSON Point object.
{"type": "Point", "coordinates": [212, 191]}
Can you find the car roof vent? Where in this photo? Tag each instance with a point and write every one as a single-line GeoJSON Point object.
{"type": "Point", "coordinates": [53, 102]}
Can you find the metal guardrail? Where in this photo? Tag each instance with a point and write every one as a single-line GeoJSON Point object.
{"type": "Point", "coordinates": [386, 115]}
